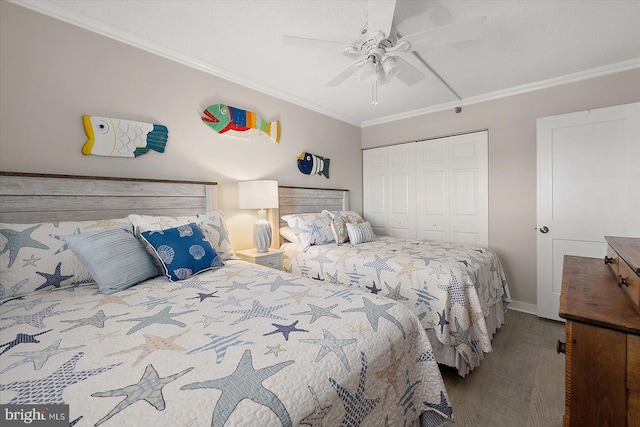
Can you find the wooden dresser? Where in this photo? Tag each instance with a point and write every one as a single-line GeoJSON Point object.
{"type": "Point", "coordinates": [602, 371]}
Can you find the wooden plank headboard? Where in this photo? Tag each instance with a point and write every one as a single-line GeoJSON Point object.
{"type": "Point", "coordinates": [294, 200]}
{"type": "Point", "coordinates": [26, 197]}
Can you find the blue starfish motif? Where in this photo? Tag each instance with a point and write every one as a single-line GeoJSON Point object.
{"type": "Point", "coordinates": [17, 240]}
{"type": "Point", "coordinates": [232, 300]}
{"type": "Point", "coordinates": [35, 319]}
{"type": "Point", "coordinates": [321, 259]}
{"type": "Point", "coordinates": [285, 330]}
{"type": "Point", "coordinates": [461, 336]}
{"type": "Point", "coordinates": [220, 344]}
{"type": "Point", "coordinates": [245, 382]}
{"type": "Point", "coordinates": [375, 312]}
{"type": "Point", "coordinates": [379, 264]}
{"type": "Point", "coordinates": [149, 388]}
{"type": "Point", "coordinates": [442, 406]}
{"type": "Point", "coordinates": [54, 279]}
{"type": "Point", "coordinates": [455, 291]}
{"type": "Point", "coordinates": [50, 388]}
{"type": "Point", "coordinates": [317, 312]}
{"type": "Point", "coordinates": [280, 281]}
{"type": "Point", "coordinates": [39, 357]}
{"type": "Point", "coordinates": [356, 406]}
{"type": "Point", "coordinates": [162, 317]}
{"type": "Point", "coordinates": [22, 339]}
{"type": "Point", "coordinates": [96, 320]}
{"type": "Point", "coordinates": [4, 293]}
{"type": "Point", "coordinates": [193, 282]}
{"type": "Point", "coordinates": [204, 296]}
{"type": "Point", "coordinates": [424, 297]}
{"type": "Point", "coordinates": [374, 289]}
{"type": "Point", "coordinates": [341, 293]}
{"type": "Point", "coordinates": [395, 293]}
{"type": "Point", "coordinates": [237, 285]}
{"type": "Point", "coordinates": [152, 302]}
{"type": "Point", "coordinates": [315, 418]}
{"type": "Point", "coordinates": [330, 344]}
{"type": "Point", "coordinates": [443, 321]}
{"type": "Point", "coordinates": [258, 310]}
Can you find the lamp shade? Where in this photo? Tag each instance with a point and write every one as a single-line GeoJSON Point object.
{"type": "Point", "coordinates": [258, 194]}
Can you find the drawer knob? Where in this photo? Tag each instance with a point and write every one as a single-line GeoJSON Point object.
{"type": "Point", "coordinates": [608, 260]}
{"type": "Point", "coordinates": [623, 281]}
{"type": "Point", "coordinates": [561, 347]}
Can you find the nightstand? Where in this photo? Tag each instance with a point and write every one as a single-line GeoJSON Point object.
{"type": "Point", "coordinates": [272, 259]}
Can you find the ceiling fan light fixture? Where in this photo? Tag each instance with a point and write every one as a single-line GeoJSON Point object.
{"type": "Point", "coordinates": [369, 73]}
{"type": "Point", "coordinates": [390, 67]}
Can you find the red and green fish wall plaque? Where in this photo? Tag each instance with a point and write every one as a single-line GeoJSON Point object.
{"type": "Point", "coordinates": [225, 119]}
{"type": "Point", "coordinates": [310, 164]}
{"type": "Point", "coordinates": [122, 138]}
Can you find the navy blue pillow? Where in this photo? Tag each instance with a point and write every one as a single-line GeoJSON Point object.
{"type": "Point", "coordinates": [183, 251]}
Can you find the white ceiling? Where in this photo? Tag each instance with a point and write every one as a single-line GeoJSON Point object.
{"type": "Point", "coordinates": [526, 45]}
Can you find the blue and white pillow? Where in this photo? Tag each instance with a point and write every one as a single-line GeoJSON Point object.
{"type": "Point", "coordinates": [212, 224]}
{"type": "Point", "coordinates": [114, 257]}
{"type": "Point", "coordinates": [35, 257]}
{"type": "Point", "coordinates": [317, 225]}
{"type": "Point", "coordinates": [183, 251]}
{"type": "Point", "coordinates": [360, 233]}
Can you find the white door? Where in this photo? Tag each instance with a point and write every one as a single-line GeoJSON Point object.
{"type": "Point", "coordinates": [389, 190]}
{"type": "Point", "coordinates": [452, 182]}
{"type": "Point", "coordinates": [588, 188]}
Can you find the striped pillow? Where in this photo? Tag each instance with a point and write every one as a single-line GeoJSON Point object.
{"type": "Point", "coordinates": [114, 257]}
{"type": "Point", "coordinates": [360, 233]}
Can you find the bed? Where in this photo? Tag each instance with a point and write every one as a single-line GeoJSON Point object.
{"type": "Point", "coordinates": [237, 344]}
{"type": "Point", "coordinates": [458, 291]}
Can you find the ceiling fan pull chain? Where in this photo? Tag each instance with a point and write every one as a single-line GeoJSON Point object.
{"type": "Point", "coordinates": [374, 93]}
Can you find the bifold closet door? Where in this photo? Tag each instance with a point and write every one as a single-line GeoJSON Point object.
{"type": "Point", "coordinates": [389, 190]}
{"type": "Point", "coordinates": [452, 197]}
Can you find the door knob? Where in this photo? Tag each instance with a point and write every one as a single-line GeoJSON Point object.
{"type": "Point", "coordinates": [544, 229]}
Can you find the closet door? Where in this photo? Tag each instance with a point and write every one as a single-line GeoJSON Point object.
{"type": "Point", "coordinates": [452, 195]}
{"type": "Point", "coordinates": [389, 190]}
{"type": "Point", "coordinates": [432, 189]}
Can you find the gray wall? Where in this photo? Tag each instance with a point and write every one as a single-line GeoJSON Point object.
{"type": "Point", "coordinates": [511, 122]}
{"type": "Point", "coordinates": [51, 73]}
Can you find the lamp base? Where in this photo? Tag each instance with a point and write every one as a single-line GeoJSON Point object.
{"type": "Point", "coordinates": [262, 235]}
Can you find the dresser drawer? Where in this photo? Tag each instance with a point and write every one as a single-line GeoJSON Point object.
{"type": "Point", "coordinates": [633, 363]}
{"type": "Point", "coordinates": [271, 261]}
{"type": "Point", "coordinates": [632, 282]}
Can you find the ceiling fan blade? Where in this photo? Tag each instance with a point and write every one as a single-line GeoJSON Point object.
{"type": "Point", "coordinates": [305, 42]}
{"type": "Point", "coordinates": [380, 16]}
{"type": "Point", "coordinates": [407, 73]}
{"type": "Point", "coordinates": [447, 34]}
{"type": "Point", "coordinates": [344, 74]}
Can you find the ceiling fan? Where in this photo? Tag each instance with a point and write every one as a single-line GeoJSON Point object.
{"type": "Point", "coordinates": [382, 55]}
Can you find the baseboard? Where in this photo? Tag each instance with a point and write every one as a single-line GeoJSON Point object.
{"type": "Point", "coordinates": [524, 307]}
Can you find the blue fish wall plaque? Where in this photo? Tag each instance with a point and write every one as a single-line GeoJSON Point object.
{"type": "Point", "coordinates": [310, 164]}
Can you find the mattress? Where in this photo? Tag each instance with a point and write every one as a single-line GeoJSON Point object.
{"type": "Point", "coordinates": [459, 292]}
{"type": "Point", "coordinates": [244, 345]}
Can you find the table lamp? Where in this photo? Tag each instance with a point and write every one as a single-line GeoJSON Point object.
{"type": "Point", "coordinates": [260, 195]}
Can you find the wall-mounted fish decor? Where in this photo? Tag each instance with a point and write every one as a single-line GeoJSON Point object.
{"type": "Point", "coordinates": [234, 121]}
{"type": "Point", "coordinates": [311, 164]}
{"type": "Point", "coordinates": [122, 138]}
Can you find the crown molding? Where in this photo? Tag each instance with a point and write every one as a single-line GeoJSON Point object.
{"type": "Point", "coordinates": [517, 90]}
{"type": "Point", "coordinates": [53, 10]}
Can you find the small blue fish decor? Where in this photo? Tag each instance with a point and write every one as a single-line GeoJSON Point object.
{"type": "Point", "coordinates": [311, 164]}
{"type": "Point", "coordinates": [225, 119]}
{"type": "Point", "coordinates": [122, 138]}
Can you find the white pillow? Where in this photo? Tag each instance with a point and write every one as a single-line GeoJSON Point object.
{"type": "Point", "coordinates": [34, 257]}
{"type": "Point", "coordinates": [297, 236]}
{"type": "Point", "coordinates": [360, 233]}
{"type": "Point", "coordinates": [212, 225]}
{"type": "Point", "coordinates": [317, 225]}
